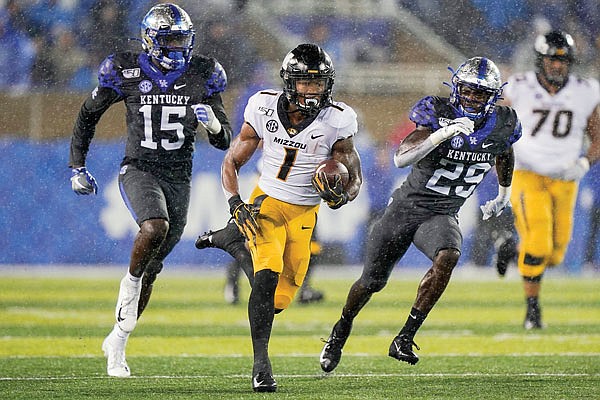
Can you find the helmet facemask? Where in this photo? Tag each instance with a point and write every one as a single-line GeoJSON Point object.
{"type": "Point", "coordinates": [309, 65]}
{"type": "Point", "coordinates": [168, 36]}
{"type": "Point", "coordinates": [476, 87]}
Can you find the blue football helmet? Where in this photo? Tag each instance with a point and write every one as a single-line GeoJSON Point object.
{"type": "Point", "coordinates": [168, 35]}
{"type": "Point", "coordinates": [476, 87]}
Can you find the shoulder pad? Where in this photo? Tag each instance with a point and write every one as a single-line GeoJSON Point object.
{"type": "Point", "coordinates": [340, 115]}
{"type": "Point", "coordinates": [425, 112]}
{"type": "Point", "coordinates": [217, 80]}
{"type": "Point", "coordinates": [109, 73]}
{"type": "Point", "coordinates": [509, 118]}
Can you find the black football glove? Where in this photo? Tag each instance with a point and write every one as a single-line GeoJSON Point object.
{"type": "Point", "coordinates": [335, 196]}
{"type": "Point", "coordinates": [244, 216]}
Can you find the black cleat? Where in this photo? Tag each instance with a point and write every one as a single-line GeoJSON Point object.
{"type": "Point", "coordinates": [332, 351]}
{"type": "Point", "coordinates": [204, 240]}
{"type": "Point", "coordinates": [506, 254]}
{"type": "Point", "coordinates": [401, 349]}
{"type": "Point", "coordinates": [310, 295]}
{"type": "Point", "coordinates": [533, 318]}
{"type": "Point", "coordinates": [264, 382]}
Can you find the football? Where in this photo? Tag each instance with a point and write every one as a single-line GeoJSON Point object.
{"type": "Point", "coordinates": [332, 168]}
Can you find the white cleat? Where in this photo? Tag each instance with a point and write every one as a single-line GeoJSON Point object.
{"type": "Point", "coordinates": [116, 365]}
{"type": "Point", "coordinates": [127, 305]}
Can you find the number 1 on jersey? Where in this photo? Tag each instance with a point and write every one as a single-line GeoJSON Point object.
{"type": "Point", "coordinates": [288, 163]}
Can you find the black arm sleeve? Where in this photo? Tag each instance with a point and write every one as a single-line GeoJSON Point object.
{"type": "Point", "coordinates": [222, 139]}
{"type": "Point", "coordinates": [85, 126]}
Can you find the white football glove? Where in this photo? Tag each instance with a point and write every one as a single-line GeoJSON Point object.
{"type": "Point", "coordinates": [496, 206]}
{"type": "Point", "coordinates": [577, 170]}
{"type": "Point", "coordinates": [455, 127]}
{"type": "Point", "coordinates": [206, 116]}
{"type": "Point", "coordinates": [83, 182]}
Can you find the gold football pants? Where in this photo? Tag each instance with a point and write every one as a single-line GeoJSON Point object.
{"type": "Point", "coordinates": [543, 210]}
{"type": "Point", "coordinates": [283, 244]}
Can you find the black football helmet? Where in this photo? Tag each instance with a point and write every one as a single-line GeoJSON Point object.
{"type": "Point", "coordinates": [308, 61]}
{"type": "Point", "coordinates": [482, 76]}
{"type": "Point", "coordinates": [557, 45]}
{"type": "Point", "coordinates": [168, 35]}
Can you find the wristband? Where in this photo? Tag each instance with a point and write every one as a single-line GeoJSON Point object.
{"type": "Point", "coordinates": [234, 202]}
{"type": "Point", "coordinates": [503, 194]}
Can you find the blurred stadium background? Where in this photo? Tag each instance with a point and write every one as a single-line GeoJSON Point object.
{"type": "Point", "coordinates": [388, 54]}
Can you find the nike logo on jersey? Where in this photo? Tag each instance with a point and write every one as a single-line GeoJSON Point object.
{"type": "Point", "coordinates": [486, 145]}
{"type": "Point", "coordinates": [119, 318]}
{"type": "Point", "coordinates": [177, 87]}
{"type": "Point", "coordinates": [305, 227]}
{"type": "Point", "coordinates": [316, 136]}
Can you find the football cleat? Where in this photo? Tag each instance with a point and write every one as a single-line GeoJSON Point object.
{"type": "Point", "coordinates": [401, 349]}
{"type": "Point", "coordinates": [332, 351]}
{"type": "Point", "coordinates": [116, 365]}
{"type": "Point", "coordinates": [224, 239]}
{"type": "Point", "coordinates": [310, 295]}
{"type": "Point", "coordinates": [264, 382]}
{"type": "Point", "coordinates": [204, 241]}
{"type": "Point", "coordinates": [506, 254]}
{"type": "Point", "coordinates": [533, 319]}
{"type": "Point", "coordinates": [127, 305]}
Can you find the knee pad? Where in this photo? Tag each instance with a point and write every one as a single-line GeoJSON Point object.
{"type": "Point", "coordinates": [284, 292]}
{"type": "Point", "coordinates": [532, 266]}
{"type": "Point", "coordinates": [282, 302]}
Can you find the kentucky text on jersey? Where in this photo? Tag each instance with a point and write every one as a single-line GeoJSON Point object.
{"type": "Point", "coordinates": [164, 99]}
{"type": "Point", "coordinates": [469, 156]}
{"type": "Point", "coordinates": [289, 143]}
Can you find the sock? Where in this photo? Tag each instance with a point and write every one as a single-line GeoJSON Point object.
{"type": "Point", "coordinates": [120, 335]}
{"type": "Point", "coordinates": [413, 323]}
{"type": "Point", "coordinates": [343, 326]}
{"type": "Point", "coordinates": [260, 314]}
{"type": "Point", "coordinates": [533, 306]}
{"type": "Point", "coordinates": [134, 280]}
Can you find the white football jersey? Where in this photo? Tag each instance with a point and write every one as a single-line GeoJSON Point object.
{"type": "Point", "coordinates": [289, 159]}
{"type": "Point", "coordinates": [553, 126]}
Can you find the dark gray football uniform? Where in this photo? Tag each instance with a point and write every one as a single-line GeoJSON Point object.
{"type": "Point", "coordinates": [156, 171]}
{"type": "Point", "coordinates": [424, 209]}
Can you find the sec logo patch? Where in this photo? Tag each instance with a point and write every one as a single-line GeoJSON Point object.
{"type": "Point", "coordinates": [272, 125]}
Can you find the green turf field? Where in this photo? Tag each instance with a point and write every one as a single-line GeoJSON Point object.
{"type": "Point", "coordinates": [191, 345]}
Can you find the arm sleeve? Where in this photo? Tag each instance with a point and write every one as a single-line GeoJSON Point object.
{"type": "Point", "coordinates": [221, 140]}
{"type": "Point", "coordinates": [85, 125]}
